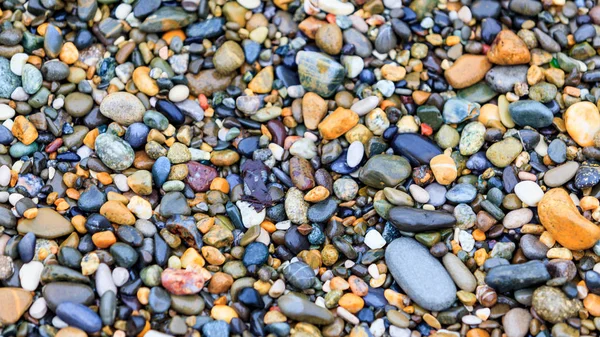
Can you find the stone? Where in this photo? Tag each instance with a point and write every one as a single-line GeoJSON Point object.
{"type": "Point", "coordinates": [560, 217]}
{"type": "Point", "coordinates": [79, 316]}
{"type": "Point", "coordinates": [303, 310]}
{"type": "Point", "coordinates": [384, 170]}
{"type": "Point", "coordinates": [318, 73]}
{"type": "Point", "coordinates": [15, 301]}
{"type": "Point", "coordinates": [114, 151]}
{"type": "Point", "coordinates": [530, 113]}
{"type": "Point", "coordinates": [516, 322]}
{"type": "Point", "coordinates": [314, 108]}
{"type": "Point", "coordinates": [410, 219]}
{"type": "Point", "coordinates": [48, 224]}
{"type": "Point", "coordinates": [504, 152]}
{"type": "Point", "coordinates": [582, 121]}
{"type": "Point", "coordinates": [337, 123]}
{"type": "Point", "coordinates": [502, 79]}
{"type": "Point", "coordinates": [467, 70]}
{"type": "Point", "coordinates": [122, 107]}
{"type": "Point", "coordinates": [508, 49]}
{"type": "Point", "coordinates": [517, 276]}
{"type": "Point", "coordinates": [420, 275]}
{"type": "Point", "coordinates": [9, 81]}
{"type": "Point", "coordinates": [552, 305]}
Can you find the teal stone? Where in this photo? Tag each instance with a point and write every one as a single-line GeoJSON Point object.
{"type": "Point", "coordinates": [40, 98]}
{"type": "Point", "coordinates": [8, 80]}
{"type": "Point", "coordinates": [19, 149]}
{"type": "Point", "coordinates": [319, 73]}
{"type": "Point", "coordinates": [478, 93]}
{"type": "Point", "coordinates": [431, 116]}
{"type": "Point", "coordinates": [125, 256]}
{"type": "Point", "coordinates": [151, 275]}
{"type": "Point", "coordinates": [53, 41]}
{"type": "Point", "coordinates": [155, 120]}
{"type": "Point", "coordinates": [31, 78]}
{"type": "Point", "coordinates": [457, 110]}
{"type": "Point", "coordinates": [32, 42]}
{"type": "Point", "coordinates": [472, 138]}
{"type": "Point", "coordinates": [530, 113]}
{"type": "Point", "coordinates": [114, 152]}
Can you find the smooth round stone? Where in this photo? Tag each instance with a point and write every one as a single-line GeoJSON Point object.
{"type": "Point", "coordinates": [125, 256]}
{"type": "Point", "coordinates": [159, 300]}
{"type": "Point", "coordinates": [552, 305]}
{"type": "Point", "coordinates": [530, 113]}
{"type": "Point", "coordinates": [56, 293]}
{"type": "Point", "coordinates": [502, 79]}
{"type": "Point", "coordinates": [136, 135]}
{"type": "Point", "coordinates": [532, 247]}
{"type": "Point", "coordinates": [557, 151]}
{"type": "Point", "coordinates": [420, 275]}
{"type": "Point", "coordinates": [48, 224]}
{"type": "Point", "coordinates": [322, 211]}
{"type": "Point", "coordinates": [114, 151]}
{"type": "Point", "coordinates": [461, 275]}
{"type": "Point", "coordinates": [384, 170]}
{"type": "Point", "coordinates": [122, 107]}
{"type": "Point", "coordinates": [517, 218]}
{"type": "Point", "coordinates": [78, 104]}
{"type": "Point", "coordinates": [461, 193]}
{"type": "Point", "coordinates": [26, 247]}
{"type": "Point", "coordinates": [256, 253]}
{"type": "Point", "coordinates": [79, 316]}
{"type": "Point", "coordinates": [587, 176]}
{"type": "Point", "coordinates": [31, 79]}
{"type": "Point", "coordinates": [355, 153]}
{"type": "Point", "coordinates": [516, 322]}
{"type": "Point", "coordinates": [15, 302]}
{"type": "Point", "coordinates": [417, 149]}
{"type": "Point", "coordinates": [55, 70]}
{"type": "Point", "coordinates": [437, 194]}
{"type": "Point", "coordinates": [17, 62]}
{"type": "Point", "coordinates": [529, 192]}
{"type": "Point", "coordinates": [582, 121]}
{"type": "Point", "coordinates": [300, 275]}
{"type": "Point", "coordinates": [326, 80]}
{"type": "Point", "coordinates": [560, 175]}
{"type": "Point", "coordinates": [503, 153]}
{"type": "Point", "coordinates": [472, 138]}
{"type": "Point", "coordinates": [9, 81]}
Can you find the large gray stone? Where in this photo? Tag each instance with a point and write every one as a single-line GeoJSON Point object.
{"type": "Point", "coordinates": [420, 275]}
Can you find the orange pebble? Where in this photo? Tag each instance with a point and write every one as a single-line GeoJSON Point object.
{"type": "Point", "coordinates": [351, 302]}
{"type": "Point", "coordinates": [338, 283]}
{"type": "Point", "coordinates": [478, 235]}
{"type": "Point", "coordinates": [592, 304]}
{"type": "Point", "coordinates": [72, 193]}
{"type": "Point", "coordinates": [220, 184]}
{"type": "Point", "coordinates": [104, 178]}
{"type": "Point", "coordinates": [589, 203]}
{"type": "Point", "coordinates": [478, 333]}
{"type": "Point", "coordinates": [30, 213]}
{"type": "Point", "coordinates": [104, 239]}
{"type": "Point", "coordinates": [268, 226]}
{"type": "Point", "coordinates": [168, 36]}
{"type": "Point", "coordinates": [78, 222]}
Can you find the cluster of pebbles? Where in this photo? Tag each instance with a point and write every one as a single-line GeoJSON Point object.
{"type": "Point", "coordinates": [306, 168]}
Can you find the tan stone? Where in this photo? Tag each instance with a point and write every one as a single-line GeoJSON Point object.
{"type": "Point", "coordinates": [582, 121]}
{"type": "Point", "coordinates": [15, 301]}
{"type": "Point", "coordinates": [116, 212]}
{"type": "Point", "coordinates": [508, 49]}
{"type": "Point", "coordinates": [314, 108]}
{"type": "Point", "coordinates": [467, 70]}
{"type": "Point", "coordinates": [262, 83]}
{"type": "Point", "coordinates": [24, 130]}
{"type": "Point", "coordinates": [444, 169]}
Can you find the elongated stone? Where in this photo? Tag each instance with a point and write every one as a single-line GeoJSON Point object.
{"type": "Point", "coordinates": [303, 310]}
{"type": "Point", "coordinates": [517, 276]}
{"type": "Point", "coordinates": [410, 219]}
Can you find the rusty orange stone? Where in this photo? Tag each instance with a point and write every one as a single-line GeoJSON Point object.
{"type": "Point", "coordinates": [560, 217]}
{"type": "Point", "coordinates": [337, 123]}
{"type": "Point", "coordinates": [104, 239]}
{"type": "Point", "coordinates": [351, 302]}
{"type": "Point", "coordinates": [592, 304]}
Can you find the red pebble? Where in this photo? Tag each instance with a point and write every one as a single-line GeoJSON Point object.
{"type": "Point", "coordinates": [181, 281]}
{"type": "Point", "coordinates": [426, 130]}
{"type": "Point", "coordinates": [54, 145]}
{"type": "Point", "coordinates": [330, 18]}
{"type": "Point", "coordinates": [203, 101]}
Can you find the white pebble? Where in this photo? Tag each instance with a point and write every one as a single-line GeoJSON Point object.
{"type": "Point", "coordinates": [374, 240]}
{"type": "Point", "coordinates": [59, 323]}
{"type": "Point", "coordinates": [347, 316]}
{"type": "Point", "coordinates": [38, 309]}
{"type": "Point", "coordinates": [419, 193]}
{"type": "Point", "coordinates": [30, 274]}
{"type": "Point", "coordinates": [264, 237]}
{"type": "Point", "coordinates": [356, 151]}
{"type": "Point", "coordinates": [373, 271]}
{"type": "Point", "coordinates": [4, 196]}
{"type": "Point", "coordinates": [471, 320]}
{"type": "Point", "coordinates": [364, 106]}
{"type": "Point", "coordinates": [466, 240]}
{"type": "Point", "coordinates": [464, 14]}
{"type": "Point", "coordinates": [6, 112]}
{"type": "Point", "coordinates": [250, 217]}
{"type": "Point", "coordinates": [17, 62]}
{"type": "Point", "coordinates": [122, 11]}
{"type": "Point", "coordinates": [4, 175]}
{"type": "Point", "coordinates": [154, 333]}
{"type": "Point", "coordinates": [104, 280]}
{"type": "Point", "coordinates": [14, 198]}
{"type": "Point", "coordinates": [19, 95]}
{"type": "Point", "coordinates": [529, 192]}
{"type": "Point", "coordinates": [377, 327]}
{"type": "Point", "coordinates": [399, 332]}
{"type": "Point", "coordinates": [179, 93]}
{"type": "Point", "coordinates": [277, 151]}
{"type": "Point", "coordinates": [84, 152]}
{"type": "Point", "coordinates": [121, 182]}
{"type": "Point", "coordinates": [249, 4]}
{"type": "Point", "coordinates": [120, 276]}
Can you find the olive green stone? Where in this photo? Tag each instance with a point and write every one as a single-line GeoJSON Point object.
{"type": "Point", "coordinates": [187, 304]}
{"type": "Point", "coordinates": [385, 170]}
{"type": "Point", "coordinates": [503, 153]}
{"type": "Point", "coordinates": [114, 152]}
{"type": "Point", "coordinates": [478, 93]}
{"type": "Point", "coordinates": [447, 137]}
{"type": "Point", "coordinates": [166, 18]}
{"type": "Point", "coordinates": [543, 92]}
{"type": "Point", "coordinates": [472, 138]}
{"type": "Point", "coordinates": [428, 239]}
{"type": "Point", "coordinates": [250, 235]}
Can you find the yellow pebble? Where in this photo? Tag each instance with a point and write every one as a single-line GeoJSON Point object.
{"type": "Point", "coordinates": [223, 313]}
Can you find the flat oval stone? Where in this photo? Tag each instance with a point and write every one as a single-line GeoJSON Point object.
{"type": "Point", "coordinates": [48, 224]}
{"type": "Point", "coordinates": [303, 310]}
{"type": "Point", "coordinates": [530, 113]}
{"type": "Point", "coordinates": [122, 107]}
{"type": "Point", "coordinates": [417, 149]}
{"type": "Point", "coordinates": [420, 275]}
{"type": "Point", "coordinates": [15, 301]}
{"type": "Point", "coordinates": [384, 170]}
{"type": "Point", "coordinates": [560, 175]}
{"type": "Point", "coordinates": [517, 276]}
{"type": "Point", "coordinates": [461, 275]}
{"type": "Point", "coordinates": [56, 293]}
{"type": "Point", "coordinates": [419, 220]}
{"type": "Point", "coordinates": [79, 316]}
